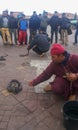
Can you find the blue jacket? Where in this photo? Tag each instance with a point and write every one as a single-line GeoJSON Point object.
{"type": "Point", "coordinates": [23, 24]}
{"type": "Point", "coordinates": [54, 22]}
{"type": "Point", "coordinates": [34, 22]}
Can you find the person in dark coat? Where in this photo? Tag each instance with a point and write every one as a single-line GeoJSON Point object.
{"type": "Point", "coordinates": [76, 35]}
{"type": "Point", "coordinates": [44, 21]}
{"type": "Point", "coordinates": [0, 27]}
{"type": "Point", "coordinates": [65, 68]}
{"type": "Point", "coordinates": [13, 26]}
{"type": "Point", "coordinates": [54, 23]}
{"type": "Point", "coordinates": [40, 43]}
{"type": "Point", "coordinates": [34, 24]}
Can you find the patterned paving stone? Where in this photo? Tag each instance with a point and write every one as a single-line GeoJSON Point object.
{"type": "Point", "coordinates": [31, 109]}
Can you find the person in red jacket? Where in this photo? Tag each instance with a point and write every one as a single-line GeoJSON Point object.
{"type": "Point", "coordinates": [65, 68]}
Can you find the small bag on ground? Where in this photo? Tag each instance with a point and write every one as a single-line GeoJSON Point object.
{"type": "Point", "coordinates": [14, 86]}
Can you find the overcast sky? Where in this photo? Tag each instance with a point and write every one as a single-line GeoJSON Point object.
{"type": "Point", "coordinates": [28, 6]}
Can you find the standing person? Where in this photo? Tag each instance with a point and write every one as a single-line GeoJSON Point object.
{"type": "Point", "coordinates": [75, 16]}
{"type": "Point", "coordinates": [44, 21]}
{"type": "Point", "coordinates": [76, 34]}
{"type": "Point", "coordinates": [40, 43]}
{"type": "Point", "coordinates": [54, 23]}
{"type": "Point", "coordinates": [0, 27]}
{"type": "Point", "coordinates": [22, 34]}
{"type": "Point", "coordinates": [65, 68]}
{"type": "Point", "coordinates": [34, 24]}
{"type": "Point", "coordinates": [5, 23]}
{"type": "Point", "coordinates": [64, 25]}
{"type": "Point", "coordinates": [13, 27]}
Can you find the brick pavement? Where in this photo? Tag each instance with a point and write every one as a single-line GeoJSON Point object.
{"type": "Point", "coordinates": [27, 110]}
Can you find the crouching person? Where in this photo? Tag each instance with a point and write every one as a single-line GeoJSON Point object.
{"type": "Point", "coordinates": [65, 66]}
{"type": "Point", "coordinates": [39, 44]}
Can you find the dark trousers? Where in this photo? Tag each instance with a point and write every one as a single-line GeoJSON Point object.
{"type": "Point", "coordinates": [76, 34]}
{"type": "Point", "coordinates": [32, 32]}
{"type": "Point", "coordinates": [38, 51]}
{"type": "Point", "coordinates": [14, 31]}
{"type": "Point", "coordinates": [54, 31]}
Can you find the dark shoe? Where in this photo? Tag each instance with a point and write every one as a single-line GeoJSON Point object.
{"type": "Point", "coordinates": [2, 58]}
{"type": "Point", "coordinates": [66, 44]}
{"type": "Point", "coordinates": [74, 43]}
{"type": "Point", "coordinates": [62, 43]}
{"type": "Point", "coordinates": [11, 44]}
{"type": "Point", "coordinates": [4, 43]}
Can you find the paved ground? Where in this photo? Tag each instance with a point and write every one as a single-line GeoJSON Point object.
{"type": "Point", "coordinates": [31, 109]}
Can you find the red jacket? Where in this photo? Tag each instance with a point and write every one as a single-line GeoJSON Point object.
{"type": "Point", "coordinates": [58, 70]}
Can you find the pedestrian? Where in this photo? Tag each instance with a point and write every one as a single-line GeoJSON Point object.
{"type": "Point", "coordinates": [54, 23]}
{"type": "Point", "coordinates": [44, 21]}
{"type": "Point", "coordinates": [5, 23]}
{"type": "Point", "coordinates": [64, 25]}
{"type": "Point", "coordinates": [13, 26]}
{"type": "Point", "coordinates": [65, 68]}
{"type": "Point", "coordinates": [0, 27]}
{"type": "Point", "coordinates": [40, 43]}
{"type": "Point", "coordinates": [34, 24]}
{"type": "Point", "coordinates": [76, 34]}
{"type": "Point", "coordinates": [23, 26]}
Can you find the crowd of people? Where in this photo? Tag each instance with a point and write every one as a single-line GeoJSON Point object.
{"type": "Point", "coordinates": [19, 26]}
{"type": "Point", "coordinates": [37, 26]}
{"type": "Point", "coordinates": [10, 25]}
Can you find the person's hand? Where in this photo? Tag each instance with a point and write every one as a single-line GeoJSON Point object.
{"type": "Point", "coordinates": [30, 83]}
{"type": "Point", "coordinates": [71, 76]}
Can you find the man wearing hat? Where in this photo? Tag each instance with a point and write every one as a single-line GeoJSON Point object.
{"type": "Point", "coordinates": [65, 68]}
